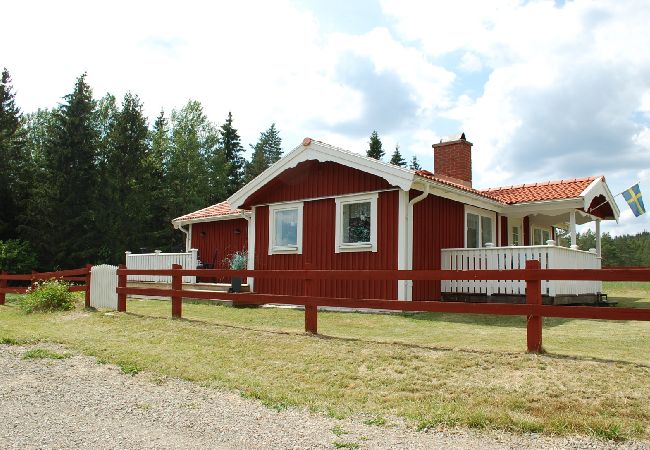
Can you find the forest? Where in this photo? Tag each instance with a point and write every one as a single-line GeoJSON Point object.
{"type": "Point", "coordinates": [86, 180]}
{"type": "Point", "coordinates": [90, 178]}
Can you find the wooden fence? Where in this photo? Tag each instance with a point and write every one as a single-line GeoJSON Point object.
{"type": "Point", "coordinates": [74, 275]}
{"type": "Point", "coordinates": [532, 275]}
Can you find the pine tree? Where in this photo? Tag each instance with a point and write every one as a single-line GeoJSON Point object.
{"type": "Point", "coordinates": [397, 159]}
{"type": "Point", "coordinates": [14, 160]}
{"type": "Point", "coordinates": [375, 147]}
{"type": "Point", "coordinates": [266, 152]}
{"type": "Point", "coordinates": [232, 150]}
{"type": "Point", "coordinates": [415, 165]}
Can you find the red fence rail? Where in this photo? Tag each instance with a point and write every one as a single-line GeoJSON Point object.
{"type": "Point", "coordinates": [533, 309]}
{"type": "Point", "coordinates": [74, 275]}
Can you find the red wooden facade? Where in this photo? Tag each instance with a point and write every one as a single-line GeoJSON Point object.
{"type": "Point", "coordinates": [316, 180]}
{"type": "Point", "coordinates": [313, 179]}
{"type": "Point", "coordinates": [437, 223]}
{"type": "Point", "coordinates": [218, 240]}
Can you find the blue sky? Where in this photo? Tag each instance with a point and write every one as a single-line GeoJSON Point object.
{"type": "Point", "coordinates": [545, 90]}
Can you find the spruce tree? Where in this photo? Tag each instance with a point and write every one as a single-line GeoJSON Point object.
{"type": "Point", "coordinates": [232, 150]}
{"type": "Point", "coordinates": [162, 235]}
{"type": "Point", "coordinates": [266, 152]}
{"type": "Point", "coordinates": [67, 199]}
{"type": "Point", "coordinates": [415, 165]}
{"type": "Point", "coordinates": [127, 183]}
{"type": "Point", "coordinates": [14, 161]}
{"type": "Point", "coordinates": [375, 147]}
{"type": "Point", "coordinates": [397, 159]}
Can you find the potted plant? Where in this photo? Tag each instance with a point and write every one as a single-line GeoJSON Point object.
{"type": "Point", "coordinates": [237, 261]}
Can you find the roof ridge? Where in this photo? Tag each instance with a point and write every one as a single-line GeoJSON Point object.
{"type": "Point", "coordinates": [541, 183]}
{"type": "Point", "coordinates": [361, 155]}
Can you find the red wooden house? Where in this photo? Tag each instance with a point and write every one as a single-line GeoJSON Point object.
{"type": "Point", "coordinates": [323, 207]}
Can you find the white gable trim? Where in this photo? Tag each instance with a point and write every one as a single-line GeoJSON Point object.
{"type": "Point", "coordinates": [596, 188]}
{"type": "Point", "coordinates": [318, 151]}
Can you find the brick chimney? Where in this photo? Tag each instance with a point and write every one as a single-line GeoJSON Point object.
{"type": "Point", "coordinates": [452, 159]}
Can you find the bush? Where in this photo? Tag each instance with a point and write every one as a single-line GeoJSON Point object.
{"type": "Point", "coordinates": [238, 260]}
{"type": "Point", "coordinates": [16, 256]}
{"type": "Point", "coordinates": [47, 296]}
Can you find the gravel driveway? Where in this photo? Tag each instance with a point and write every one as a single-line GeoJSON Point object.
{"type": "Point", "coordinates": [78, 403]}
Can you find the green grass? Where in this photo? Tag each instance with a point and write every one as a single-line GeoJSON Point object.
{"type": "Point", "coordinates": [430, 369]}
{"type": "Point", "coordinates": [43, 353]}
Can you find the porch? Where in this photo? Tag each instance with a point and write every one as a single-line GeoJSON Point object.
{"type": "Point", "coordinates": [550, 256]}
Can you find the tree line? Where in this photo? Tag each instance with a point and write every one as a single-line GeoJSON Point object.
{"type": "Point", "coordinates": [89, 179]}
{"type": "Point", "coordinates": [619, 251]}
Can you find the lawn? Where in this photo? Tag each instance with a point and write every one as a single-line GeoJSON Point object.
{"type": "Point", "coordinates": [429, 369]}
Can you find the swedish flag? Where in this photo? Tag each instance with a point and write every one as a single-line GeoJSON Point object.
{"type": "Point", "coordinates": [633, 198]}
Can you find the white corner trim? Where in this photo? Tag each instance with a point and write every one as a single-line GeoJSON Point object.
{"type": "Point", "coordinates": [278, 250]}
{"type": "Point", "coordinates": [251, 248]}
{"type": "Point", "coordinates": [402, 232]}
{"type": "Point", "coordinates": [394, 175]}
{"type": "Point", "coordinates": [339, 245]}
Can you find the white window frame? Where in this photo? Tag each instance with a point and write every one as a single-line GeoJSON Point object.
{"type": "Point", "coordinates": [481, 213]}
{"type": "Point", "coordinates": [283, 250]}
{"type": "Point", "coordinates": [339, 245]}
{"type": "Point", "coordinates": [512, 224]}
{"type": "Point", "coordinates": [542, 230]}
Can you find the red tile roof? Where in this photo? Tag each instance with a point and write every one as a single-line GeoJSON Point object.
{"type": "Point", "coordinates": [220, 209]}
{"type": "Point", "coordinates": [535, 192]}
{"type": "Point", "coordinates": [430, 176]}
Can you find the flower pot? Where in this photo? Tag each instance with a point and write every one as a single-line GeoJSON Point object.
{"type": "Point", "coordinates": [235, 284]}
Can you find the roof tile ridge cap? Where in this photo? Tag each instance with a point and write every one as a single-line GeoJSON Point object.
{"type": "Point", "coordinates": [543, 183]}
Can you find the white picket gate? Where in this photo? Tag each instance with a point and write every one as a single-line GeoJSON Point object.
{"type": "Point", "coordinates": [103, 283]}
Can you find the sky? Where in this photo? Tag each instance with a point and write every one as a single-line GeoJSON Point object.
{"type": "Point", "coordinates": [545, 90]}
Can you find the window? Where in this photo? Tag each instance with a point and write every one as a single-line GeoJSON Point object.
{"type": "Point", "coordinates": [356, 223]}
{"type": "Point", "coordinates": [516, 235]}
{"type": "Point", "coordinates": [285, 228]}
{"type": "Point", "coordinates": [541, 235]}
{"type": "Point", "coordinates": [479, 229]}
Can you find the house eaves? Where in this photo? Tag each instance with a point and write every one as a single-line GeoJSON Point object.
{"type": "Point", "coordinates": [310, 149]}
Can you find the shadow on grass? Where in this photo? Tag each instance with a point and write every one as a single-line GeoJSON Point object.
{"type": "Point", "coordinates": [401, 344]}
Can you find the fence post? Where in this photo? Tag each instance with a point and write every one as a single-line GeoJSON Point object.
{"type": "Point", "coordinates": [121, 283]}
{"type": "Point", "coordinates": [177, 285]}
{"type": "Point", "coordinates": [3, 284]}
{"type": "Point", "coordinates": [87, 296]}
{"type": "Point", "coordinates": [534, 322]}
{"type": "Point", "coordinates": [311, 311]}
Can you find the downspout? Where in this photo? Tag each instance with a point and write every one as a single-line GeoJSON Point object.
{"type": "Point", "coordinates": [187, 236]}
{"type": "Point", "coordinates": [409, 239]}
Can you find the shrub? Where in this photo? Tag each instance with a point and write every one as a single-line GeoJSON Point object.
{"type": "Point", "coordinates": [16, 256]}
{"type": "Point", "coordinates": [238, 260]}
{"type": "Point", "coordinates": [46, 296]}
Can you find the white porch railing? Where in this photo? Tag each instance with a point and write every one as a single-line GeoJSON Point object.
{"type": "Point", "coordinates": [159, 260]}
{"type": "Point", "coordinates": [504, 258]}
